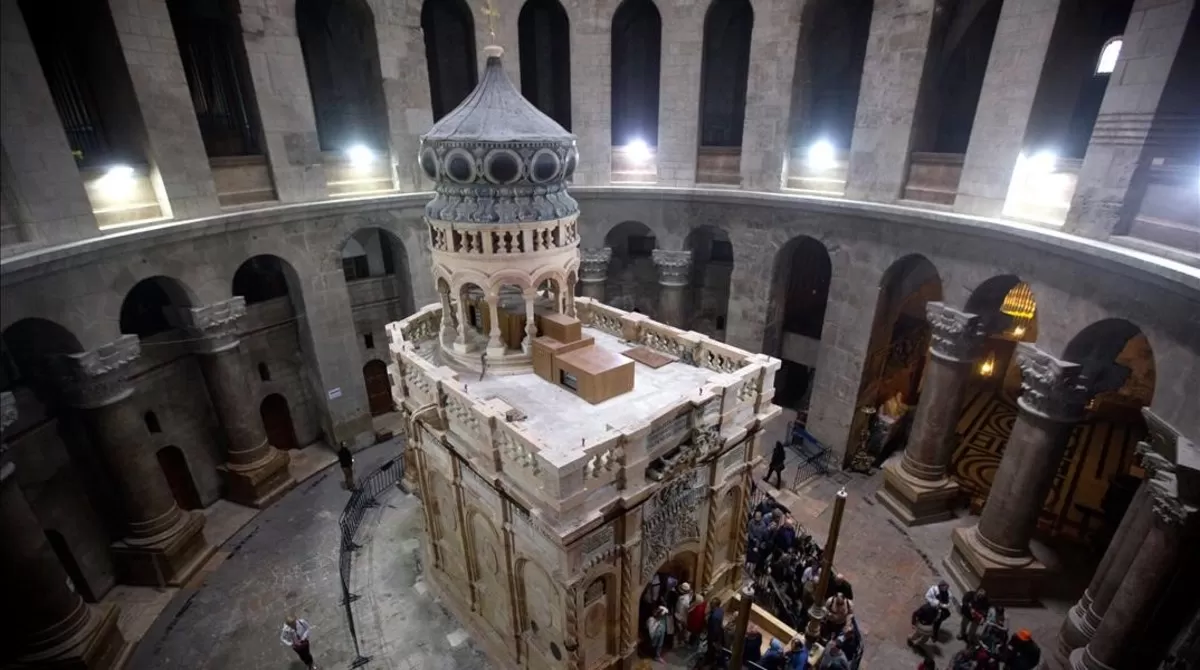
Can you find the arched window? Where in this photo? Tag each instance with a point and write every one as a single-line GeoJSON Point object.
{"type": "Point", "coordinates": [1108, 56]}
{"type": "Point", "coordinates": [152, 423]}
{"type": "Point", "coordinates": [263, 372]}
{"type": "Point", "coordinates": [636, 45]}
{"type": "Point", "coordinates": [449, 52]}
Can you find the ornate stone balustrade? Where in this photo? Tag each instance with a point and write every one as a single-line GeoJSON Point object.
{"type": "Point", "coordinates": [525, 238]}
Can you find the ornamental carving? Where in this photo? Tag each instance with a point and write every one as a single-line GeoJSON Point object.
{"type": "Point", "coordinates": [669, 519]}
{"type": "Point", "coordinates": [593, 264]}
{"type": "Point", "coordinates": [597, 546]}
{"type": "Point", "coordinates": [98, 377]}
{"type": "Point", "coordinates": [957, 335]}
{"type": "Point", "coordinates": [215, 326]}
{"type": "Point", "coordinates": [1050, 388]}
{"type": "Point", "coordinates": [674, 267]}
{"type": "Point", "coordinates": [1168, 507]}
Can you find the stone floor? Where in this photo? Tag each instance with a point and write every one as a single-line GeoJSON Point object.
{"type": "Point", "coordinates": [285, 560]}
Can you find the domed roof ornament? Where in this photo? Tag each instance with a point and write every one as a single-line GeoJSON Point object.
{"type": "Point", "coordinates": [498, 159]}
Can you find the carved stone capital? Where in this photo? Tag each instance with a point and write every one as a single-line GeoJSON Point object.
{"type": "Point", "coordinates": [100, 377]}
{"type": "Point", "coordinates": [1161, 437]}
{"type": "Point", "coordinates": [674, 267]}
{"type": "Point", "coordinates": [1050, 388]}
{"type": "Point", "coordinates": [8, 409]}
{"type": "Point", "coordinates": [213, 327]}
{"type": "Point", "coordinates": [593, 264]}
{"type": "Point", "coordinates": [1172, 510]}
{"type": "Point", "coordinates": [957, 335]}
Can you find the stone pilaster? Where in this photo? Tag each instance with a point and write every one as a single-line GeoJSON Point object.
{"type": "Point", "coordinates": [1138, 120]}
{"type": "Point", "coordinates": [51, 204]}
{"type": "Point", "coordinates": [51, 626]}
{"type": "Point", "coordinates": [995, 553]}
{"type": "Point", "coordinates": [887, 100]}
{"type": "Point", "coordinates": [180, 170]}
{"type": "Point", "coordinates": [1174, 510]}
{"type": "Point", "coordinates": [163, 544]}
{"type": "Point", "coordinates": [591, 87]}
{"type": "Point", "coordinates": [917, 489]}
{"type": "Point", "coordinates": [593, 271]}
{"type": "Point", "coordinates": [1010, 83]}
{"type": "Point", "coordinates": [255, 473]}
{"type": "Point", "coordinates": [405, 85]}
{"type": "Point", "coordinates": [674, 276]}
{"type": "Point", "coordinates": [285, 104]}
{"type": "Point", "coordinates": [679, 93]}
{"type": "Point", "coordinates": [765, 139]}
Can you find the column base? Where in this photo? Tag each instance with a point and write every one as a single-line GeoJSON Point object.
{"type": "Point", "coordinates": [1075, 633]}
{"type": "Point", "coordinates": [99, 645]}
{"type": "Point", "coordinates": [1082, 660]}
{"type": "Point", "coordinates": [1008, 580]}
{"type": "Point", "coordinates": [260, 483]}
{"type": "Point", "coordinates": [167, 560]}
{"type": "Point", "coordinates": [917, 502]}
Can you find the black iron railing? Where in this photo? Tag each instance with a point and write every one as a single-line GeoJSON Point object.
{"type": "Point", "coordinates": [366, 496]}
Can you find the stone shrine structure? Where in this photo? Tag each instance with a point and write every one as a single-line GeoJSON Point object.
{"type": "Point", "coordinates": [547, 515]}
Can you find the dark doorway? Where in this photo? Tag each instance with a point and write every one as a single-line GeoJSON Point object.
{"type": "Point", "coordinates": [544, 36]}
{"type": "Point", "coordinates": [636, 57]}
{"type": "Point", "coordinates": [179, 477]}
{"type": "Point", "coordinates": [66, 558]}
{"type": "Point", "coordinates": [277, 421]}
{"type": "Point", "coordinates": [449, 52]}
{"type": "Point", "coordinates": [379, 390]}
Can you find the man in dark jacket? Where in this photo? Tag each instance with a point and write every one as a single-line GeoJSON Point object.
{"type": "Point", "coordinates": [974, 610]}
{"type": "Point", "coordinates": [778, 457]}
{"type": "Point", "coordinates": [715, 627]}
{"type": "Point", "coordinates": [346, 461]}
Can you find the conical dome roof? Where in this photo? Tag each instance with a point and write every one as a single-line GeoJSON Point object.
{"type": "Point", "coordinates": [498, 159]}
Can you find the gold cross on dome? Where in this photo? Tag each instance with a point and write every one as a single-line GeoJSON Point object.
{"type": "Point", "coordinates": [492, 14]}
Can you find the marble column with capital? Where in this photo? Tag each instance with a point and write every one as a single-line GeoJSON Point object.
{"type": "Point", "coordinates": [916, 488]}
{"type": "Point", "coordinates": [163, 545]}
{"type": "Point", "coordinates": [255, 473]}
{"type": "Point", "coordinates": [1085, 616]}
{"type": "Point", "coordinates": [674, 276]}
{"type": "Point", "coordinates": [995, 554]}
{"type": "Point", "coordinates": [1173, 523]}
{"type": "Point", "coordinates": [593, 271]}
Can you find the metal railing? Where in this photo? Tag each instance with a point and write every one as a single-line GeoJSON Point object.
{"type": "Point", "coordinates": [813, 456]}
{"type": "Point", "coordinates": [370, 487]}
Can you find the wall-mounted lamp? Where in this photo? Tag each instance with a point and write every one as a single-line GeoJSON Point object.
{"type": "Point", "coordinates": [822, 155]}
{"type": "Point", "coordinates": [638, 151]}
{"type": "Point", "coordinates": [360, 156]}
{"type": "Point", "coordinates": [988, 366]}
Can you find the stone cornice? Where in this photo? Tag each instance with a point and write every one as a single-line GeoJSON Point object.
{"type": "Point", "coordinates": [593, 264]}
{"type": "Point", "coordinates": [674, 267]}
{"type": "Point", "coordinates": [1050, 388]}
{"type": "Point", "coordinates": [98, 377]}
{"type": "Point", "coordinates": [957, 335]}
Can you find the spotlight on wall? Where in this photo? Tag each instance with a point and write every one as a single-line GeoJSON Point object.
{"type": "Point", "coordinates": [822, 155]}
{"type": "Point", "coordinates": [638, 151]}
{"type": "Point", "coordinates": [1042, 162]}
{"type": "Point", "coordinates": [118, 181]}
{"type": "Point", "coordinates": [360, 155]}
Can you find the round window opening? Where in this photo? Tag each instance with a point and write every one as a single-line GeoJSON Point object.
{"type": "Point", "coordinates": [459, 167]}
{"type": "Point", "coordinates": [556, 651]}
{"type": "Point", "coordinates": [503, 167]}
{"type": "Point", "coordinates": [429, 163]}
{"type": "Point", "coordinates": [545, 166]}
{"type": "Point", "coordinates": [572, 159]}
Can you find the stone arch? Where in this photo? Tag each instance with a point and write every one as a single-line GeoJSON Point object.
{"type": "Point", "coordinates": [799, 293]}
{"type": "Point", "coordinates": [148, 306]}
{"type": "Point", "coordinates": [600, 615]}
{"type": "Point", "coordinates": [636, 59]}
{"type": "Point", "coordinates": [32, 346]}
{"type": "Point", "coordinates": [276, 416]}
{"type": "Point", "coordinates": [267, 277]}
{"type": "Point", "coordinates": [725, 72]}
{"type": "Point", "coordinates": [712, 271]}
{"type": "Point", "coordinates": [174, 465]}
{"type": "Point", "coordinates": [540, 600]}
{"type": "Point", "coordinates": [341, 58]}
{"type": "Point", "coordinates": [632, 277]}
{"type": "Point", "coordinates": [1117, 359]}
{"type": "Point", "coordinates": [544, 36]}
{"type": "Point", "coordinates": [449, 30]}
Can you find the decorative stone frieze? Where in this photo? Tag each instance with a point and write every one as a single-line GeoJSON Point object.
{"type": "Point", "coordinates": [99, 377]}
{"type": "Point", "coordinates": [671, 518]}
{"type": "Point", "coordinates": [213, 327]}
{"type": "Point", "coordinates": [957, 335]}
{"type": "Point", "coordinates": [1051, 388]}
{"type": "Point", "coordinates": [593, 264]}
{"type": "Point", "coordinates": [674, 267]}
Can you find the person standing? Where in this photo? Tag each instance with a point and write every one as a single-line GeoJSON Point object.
{"type": "Point", "coordinates": [922, 621]}
{"type": "Point", "coordinates": [295, 635]}
{"type": "Point", "coordinates": [715, 627]}
{"type": "Point", "coordinates": [798, 654]}
{"type": "Point", "coordinates": [346, 460]}
{"type": "Point", "coordinates": [683, 604]}
{"type": "Point", "coordinates": [974, 610]}
{"type": "Point", "coordinates": [656, 628]}
{"type": "Point", "coordinates": [778, 458]}
{"type": "Point", "coordinates": [1023, 652]}
{"type": "Point", "coordinates": [696, 617]}
{"type": "Point", "coordinates": [938, 595]}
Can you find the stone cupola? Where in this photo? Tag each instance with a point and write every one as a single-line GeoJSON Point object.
{"type": "Point", "coordinates": [503, 230]}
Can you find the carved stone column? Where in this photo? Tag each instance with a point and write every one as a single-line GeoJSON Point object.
{"type": "Point", "coordinates": [255, 473]}
{"type": "Point", "coordinates": [1148, 575]}
{"type": "Point", "coordinates": [495, 346]}
{"type": "Point", "coordinates": [163, 545]}
{"type": "Point", "coordinates": [1082, 620]}
{"type": "Point", "coordinates": [995, 553]}
{"type": "Point", "coordinates": [593, 271]}
{"type": "Point", "coordinates": [51, 626]}
{"type": "Point", "coordinates": [674, 276]}
{"type": "Point", "coordinates": [916, 489]}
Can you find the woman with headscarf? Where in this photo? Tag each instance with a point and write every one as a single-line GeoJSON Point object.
{"type": "Point", "coordinates": [656, 629]}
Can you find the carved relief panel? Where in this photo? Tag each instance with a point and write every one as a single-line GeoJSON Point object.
{"type": "Point", "coordinates": [491, 575]}
{"type": "Point", "coordinates": [445, 531]}
{"type": "Point", "coordinates": [541, 615]}
{"type": "Point", "coordinates": [670, 518]}
{"type": "Point", "coordinates": [598, 629]}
